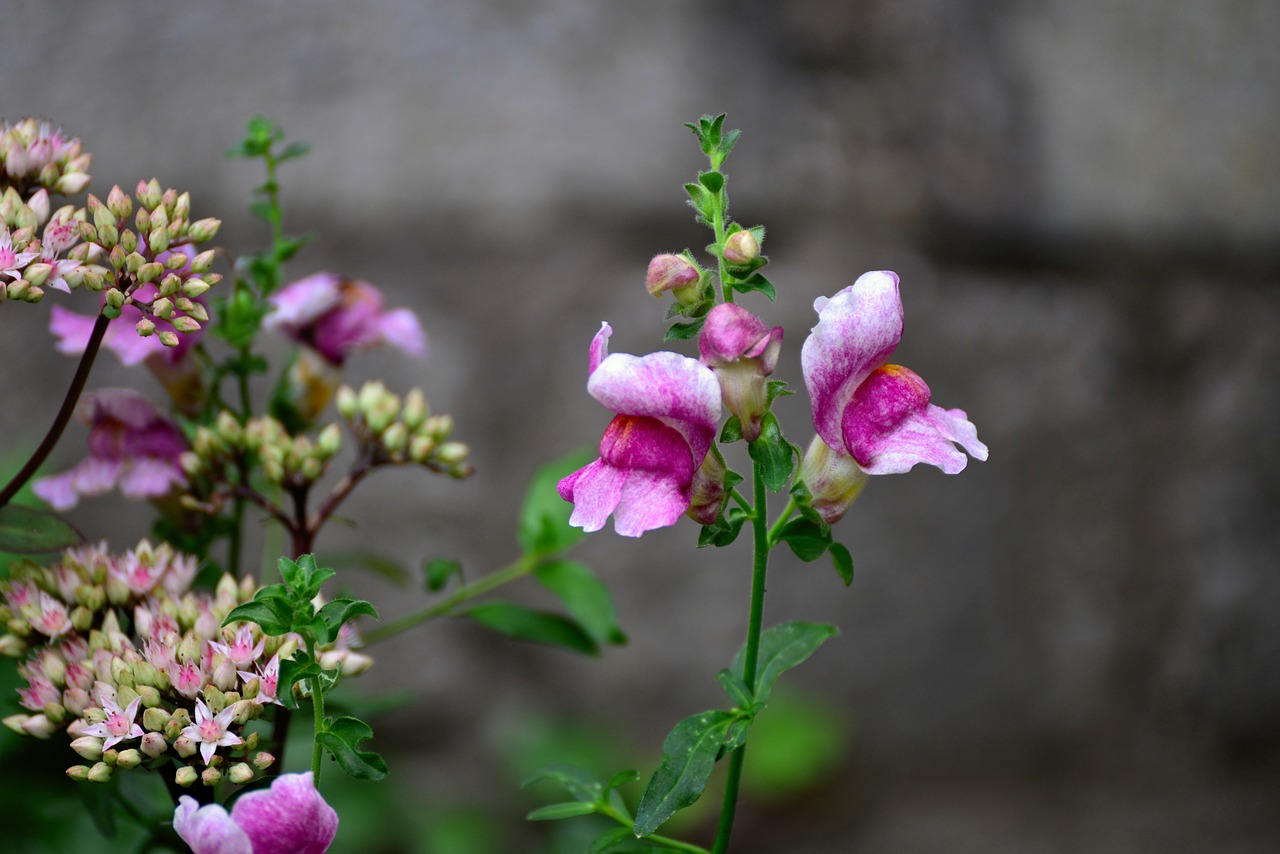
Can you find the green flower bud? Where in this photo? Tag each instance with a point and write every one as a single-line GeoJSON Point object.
{"type": "Point", "coordinates": [345, 402]}
{"type": "Point", "coordinates": [150, 271]}
{"type": "Point", "coordinates": [155, 719]}
{"type": "Point", "coordinates": [99, 773]}
{"type": "Point", "coordinates": [741, 247]}
{"type": "Point", "coordinates": [329, 442]}
{"type": "Point", "coordinates": [128, 241]}
{"type": "Point", "coordinates": [240, 773]}
{"type": "Point", "coordinates": [158, 239]}
{"type": "Point", "coordinates": [415, 409]}
{"type": "Point", "coordinates": [186, 325]}
{"type": "Point", "coordinates": [203, 261]}
{"type": "Point", "coordinates": [119, 203]}
{"type": "Point", "coordinates": [262, 761]}
{"type": "Point", "coordinates": [37, 274]}
{"type": "Point", "coordinates": [168, 338]}
{"type": "Point", "coordinates": [79, 773]}
{"type": "Point", "coordinates": [452, 452]}
{"type": "Point", "coordinates": [194, 287]}
{"type": "Point", "coordinates": [395, 437]}
{"type": "Point", "coordinates": [185, 776]}
{"type": "Point", "coordinates": [185, 747]}
{"type": "Point", "coordinates": [211, 777]}
{"type": "Point", "coordinates": [88, 747]}
{"type": "Point", "coordinates": [146, 327]}
{"type": "Point", "coordinates": [153, 744]}
{"type": "Point", "coordinates": [133, 262]}
{"type": "Point", "coordinates": [204, 229]}
{"type": "Point", "coordinates": [129, 759]}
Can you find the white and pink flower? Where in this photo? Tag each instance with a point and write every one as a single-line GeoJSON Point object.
{"type": "Point", "coordinates": [668, 408]}
{"type": "Point", "coordinates": [120, 725]}
{"type": "Point", "coordinates": [876, 414]}
{"type": "Point", "coordinates": [336, 316]}
{"type": "Point", "coordinates": [212, 731]}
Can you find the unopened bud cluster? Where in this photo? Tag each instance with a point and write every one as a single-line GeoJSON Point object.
{"type": "Point", "coordinates": [150, 258]}
{"type": "Point", "coordinates": [293, 461]}
{"type": "Point", "coordinates": [35, 156]}
{"type": "Point", "coordinates": [397, 430]}
{"type": "Point", "coordinates": [135, 668]}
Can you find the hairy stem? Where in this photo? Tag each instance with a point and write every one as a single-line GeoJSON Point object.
{"type": "Point", "coordinates": [64, 414]}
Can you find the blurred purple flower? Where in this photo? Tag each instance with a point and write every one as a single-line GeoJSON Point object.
{"type": "Point", "coordinates": [289, 818]}
{"type": "Point", "coordinates": [132, 445]}
{"type": "Point", "coordinates": [876, 413]}
{"type": "Point", "coordinates": [337, 316]}
{"type": "Point", "coordinates": [668, 408]}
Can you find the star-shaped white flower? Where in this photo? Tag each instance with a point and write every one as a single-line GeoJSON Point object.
{"type": "Point", "coordinates": [212, 731]}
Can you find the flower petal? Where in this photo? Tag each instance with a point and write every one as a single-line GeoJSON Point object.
{"type": "Point", "coordinates": [288, 818]}
{"type": "Point", "coordinates": [146, 477]}
{"type": "Point", "coordinates": [209, 829]}
{"type": "Point", "coordinates": [301, 302]}
{"type": "Point", "coordinates": [599, 349]}
{"type": "Point", "coordinates": [400, 329]}
{"type": "Point", "coordinates": [681, 392]}
{"type": "Point", "coordinates": [889, 426]}
{"type": "Point", "coordinates": [857, 330]}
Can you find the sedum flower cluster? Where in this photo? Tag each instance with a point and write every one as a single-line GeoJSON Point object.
{"type": "Point", "coordinates": [136, 668]}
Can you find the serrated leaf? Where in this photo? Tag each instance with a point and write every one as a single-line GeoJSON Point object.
{"type": "Point", "coordinates": [700, 199]}
{"type": "Point", "coordinates": [27, 530]}
{"type": "Point", "coordinates": [684, 331]}
{"type": "Point", "coordinates": [437, 571]}
{"type": "Point", "coordinates": [782, 647]}
{"type": "Point", "coordinates": [273, 615]}
{"type": "Point", "coordinates": [843, 562]}
{"type": "Point", "coordinates": [342, 737]}
{"type": "Point", "coordinates": [544, 518]}
{"type": "Point", "coordinates": [554, 812]}
{"type": "Point", "coordinates": [777, 389]}
{"type": "Point", "coordinates": [585, 596]}
{"type": "Point", "coordinates": [293, 670]}
{"type": "Point", "coordinates": [688, 756]}
{"type": "Point", "coordinates": [731, 431]}
{"type": "Point", "coordinates": [773, 454]}
{"type": "Point", "coordinates": [517, 621]}
{"type": "Point", "coordinates": [340, 611]}
{"type": "Point", "coordinates": [578, 782]}
{"type": "Point", "coordinates": [807, 540]}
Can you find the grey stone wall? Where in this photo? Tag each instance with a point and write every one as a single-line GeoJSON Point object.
{"type": "Point", "coordinates": [1072, 647]}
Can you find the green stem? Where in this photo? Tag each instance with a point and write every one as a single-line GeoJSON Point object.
{"type": "Point", "coordinates": [506, 575]}
{"type": "Point", "coordinates": [317, 703]}
{"type": "Point", "coordinates": [759, 569]}
{"type": "Point", "coordinates": [717, 224]}
{"type": "Point", "coordinates": [787, 513]}
{"type": "Point", "coordinates": [64, 413]}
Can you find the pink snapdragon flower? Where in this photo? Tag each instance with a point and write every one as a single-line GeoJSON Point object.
{"type": "Point", "coordinates": [289, 818]}
{"type": "Point", "coordinates": [742, 351]}
{"type": "Point", "coordinates": [668, 408]}
{"type": "Point", "coordinates": [132, 445]}
{"type": "Point", "coordinates": [864, 409]}
{"type": "Point", "coordinates": [337, 316]}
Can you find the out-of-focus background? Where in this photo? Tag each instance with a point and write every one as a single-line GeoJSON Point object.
{"type": "Point", "coordinates": [1073, 647]}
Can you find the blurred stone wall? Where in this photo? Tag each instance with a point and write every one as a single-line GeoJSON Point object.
{"type": "Point", "coordinates": [1071, 647]}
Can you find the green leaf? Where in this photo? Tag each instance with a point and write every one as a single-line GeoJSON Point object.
{"type": "Point", "coordinates": [737, 734]}
{"type": "Point", "coordinates": [684, 331]}
{"type": "Point", "coordinates": [294, 670]}
{"type": "Point", "coordinates": [26, 530]}
{"type": "Point", "coordinates": [772, 453]}
{"type": "Point", "coordinates": [544, 519]}
{"type": "Point", "coordinates": [713, 181]}
{"type": "Point", "coordinates": [777, 389]}
{"type": "Point", "coordinates": [294, 149]}
{"type": "Point", "coordinates": [340, 611]}
{"type": "Point", "coordinates": [700, 199]}
{"type": "Point", "coordinates": [613, 841]}
{"type": "Point", "coordinates": [437, 571]}
{"type": "Point", "coordinates": [724, 531]}
{"type": "Point", "coordinates": [274, 615]}
{"type": "Point", "coordinates": [728, 142]}
{"type": "Point", "coordinates": [688, 756]}
{"type": "Point", "coordinates": [843, 562]}
{"type": "Point", "coordinates": [807, 540]}
{"type": "Point", "coordinates": [578, 782]}
{"type": "Point", "coordinates": [622, 778]}
{"type": "Point", "coordinates": [585, 596]}
{"type": "Point", "coordinates": [782, 647]}
{"type": "Point", "coordinates": [519, 622]}
{"type": "Point", "coordinates": [731, 431]}
{"type": "Point", "coordinates": [756, 282]}
{"type": "Point", "coordinates": [342, 737]}
{"type": "Point", "coordinates": [289, 246]}
{"type": "Point", "coordinates": [554, 812]}
{"type": "Point", "coordinates": [734, 687]}
{"type": "Point", "coordinates": [303, 577]}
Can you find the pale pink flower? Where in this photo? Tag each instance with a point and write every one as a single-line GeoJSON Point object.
{"type": "Point", "coordinates": [212, 731]}
{"type": "Point", "coordinates": [119, 725]}
{"type": "Point", "coordinates": [336, 316]}
{"type": "Point", "coordinates": [268, 682]}
{"type": "Point", "coordinates": [52, 618]}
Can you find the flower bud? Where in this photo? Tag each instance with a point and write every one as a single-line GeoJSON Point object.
{"type": "Point", "coordinates": [153, 744]}
{"type": "Point", "coordinates": [185, 776]}
{"type": "Point", "coordinates": [240, 773]}
{"type": "Point", "coordinates": [832, 478]}
{"type": "Point", "coordinates": [69, 185]}
{"type": "Point", "coordinates": [262, 761]}
{"type": "Point", "coordinates": [150, 271]}
{"type": "Point", "coordinates": [129, 759]}
{"type": "Point", "coordinates": [194, 287]}
{"type": "Point", "coordinates": [39, 726]}
{"type": "Point", "coordinates": [168, 338]}
{"type": "Point", "coordinates": [210, 777]}
{"type": "Point", "coordinates": [88, 747]}
{"type": "Point", "coordinates": [99, 773]}
{"type": "Point", "coordinates": [345, 402]}
{"type": "Point", "coordinates": [741, 247]}
{"type": "Point", "coordinates": [204, 229]}
{"type": "Point", "coordinates": [37, 274]}
{"type": "Point", "coordinates": [186, 325]}
{"type": "Point", "coordinates": [39, 204]}
{"type": "Point", "coordinates": [672, 273]}
{"type": "Point", "coordinates": [184, 747]}
{"type": "Point", "coordinates": [79, 773]}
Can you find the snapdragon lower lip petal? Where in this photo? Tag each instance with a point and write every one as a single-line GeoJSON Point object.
{"type": "Point", "coordinates": [289, 818]}
{"type": "Point", "coordinates": [209, 829]}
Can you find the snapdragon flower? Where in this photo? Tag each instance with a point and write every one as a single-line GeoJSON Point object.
{"type": "Point", "coordinates": [132, 445]}
{"type": "Point", "coordinates": [289, 818]}
{"type": "Point", "coordinates": [336, 316]}
{"type": "Point", "coordinates": [867, 411]}
{"type": "Point", "coordinates": [742, 351]}
{"type": "Point", "coordinates": [668, 408]}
